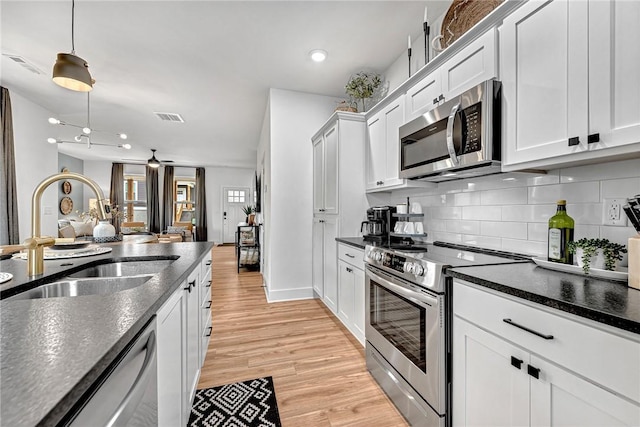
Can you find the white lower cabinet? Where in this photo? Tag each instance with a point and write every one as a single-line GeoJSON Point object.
{"type": "Point", "coordinates": [182, 345]}
{"type": "Point", "coordinates": [507, 376]}
{"type": "Point", "coordinates": [351, 290]}
{"type": "Point", "coordinates": [171, 327]}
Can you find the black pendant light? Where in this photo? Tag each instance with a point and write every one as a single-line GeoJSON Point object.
{"type": "Point", "coordinates": [153, 162]}
{"type": "Point", "coordinates": [71, 71]}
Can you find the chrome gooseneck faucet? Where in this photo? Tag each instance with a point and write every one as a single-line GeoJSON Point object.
{"type": "Point", "coordinates": [36, 243]}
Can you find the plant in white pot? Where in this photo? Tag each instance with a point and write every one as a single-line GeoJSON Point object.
{"type": "Point", "coordinates": [597, 253]}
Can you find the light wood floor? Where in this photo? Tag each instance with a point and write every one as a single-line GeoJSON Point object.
{"type": "Point", "coordinates": [318, 368]}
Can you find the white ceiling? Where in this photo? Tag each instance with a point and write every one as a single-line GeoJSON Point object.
{"type": "Point", "coordinates": [210, 61]}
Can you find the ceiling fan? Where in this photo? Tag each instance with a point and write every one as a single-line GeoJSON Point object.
{"type": "Point", "coordinates": [153, 162]}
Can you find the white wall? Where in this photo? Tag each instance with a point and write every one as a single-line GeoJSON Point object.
{"type": "Point", "coordinates": [264, 166]}
{"type": "Point", "coordinates": [295, 117]}
{"type": "Point", "coordinates": [216, 178]}
{"type": "Point", "coordinates": [511, 211]}
{"type": "Point", "coordinates": [35, 160]}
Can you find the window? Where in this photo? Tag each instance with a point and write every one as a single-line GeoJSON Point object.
{"type": "Point", "coordinates": [135, 198]}
{"type": "Point", "coordinates": [235, 196]}
{"type": "Point", "coordinates": [184, 201]}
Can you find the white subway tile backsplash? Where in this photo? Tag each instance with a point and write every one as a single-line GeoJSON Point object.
{"type": "Point", "coordinates": [514, 230]}
{"type": "Point", "coordinates": [525, 247]}
{"type": "Point", "coordinates": [612, 170]}
{"type": "Point", "coordinates": [537, 231]}
{"type": "Point", "coordinates": [580, 192]}
{"type": "Point", "coordinates": [511, 211]}
{"type": "Point", "coordinates": [508, 196]}
{"type": "Point", "coordinates": [446, 213]}
{"type": "Point", "coordinates": [585, 213]}
{"type": "Point", "coordinates": [482, 213]}
{"type": "Point", "coordinates": [482, 241]}
{"type": "Point", "coordinates": [620, 188]}
{"type": "Point", "coordinates": [466, 227]}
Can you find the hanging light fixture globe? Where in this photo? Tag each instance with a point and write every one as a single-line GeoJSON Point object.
{"type": "Point", "coordinates": [71, 71]}
{"type": "Point", "coordinates": [153, 162]}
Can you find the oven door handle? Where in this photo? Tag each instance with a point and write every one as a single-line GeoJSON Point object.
{"type": "Point", "coordinates": [450, 147]}
{"type": "Point", "coordinates": [413, 296]}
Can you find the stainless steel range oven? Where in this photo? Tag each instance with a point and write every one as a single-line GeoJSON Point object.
{"type": "Point", "coordinates": [407, 329]}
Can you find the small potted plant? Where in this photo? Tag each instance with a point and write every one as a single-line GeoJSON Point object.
{"type": "Point", "coordinates": [249, 212]}
{"type": "Point", "coordinates": [601, 253]}
{"type": "Point", "coordinates": [361, 86]}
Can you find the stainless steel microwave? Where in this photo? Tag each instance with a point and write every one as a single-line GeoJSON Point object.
{"type": "Point", "coordinates": [458, 139]}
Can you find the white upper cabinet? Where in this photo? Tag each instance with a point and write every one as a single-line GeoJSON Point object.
{"type": "Point", "coordinates": [614, 73]}
{"type": "Point", "coordinates": [325, 172]}
{"type": "Point", "coordinates": [570, 82]}
{"type": "Point", "coordinates": [474, 64]}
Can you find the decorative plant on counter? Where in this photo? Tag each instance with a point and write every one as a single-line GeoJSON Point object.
{"type": "Point", "coordinates": [612, 252]}
{"type": "Point", "coordinates": [361, 86]}
{"type": "Point", "coordinates": [93, 216]}
{"type": "Point", "coordinates": [248, 210]}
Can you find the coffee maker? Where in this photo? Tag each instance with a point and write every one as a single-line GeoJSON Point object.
{"type": "Point", "coordinates": [380, 221]}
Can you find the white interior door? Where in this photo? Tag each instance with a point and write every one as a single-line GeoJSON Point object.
{"type": "Point", "coordinates": [234, 199]}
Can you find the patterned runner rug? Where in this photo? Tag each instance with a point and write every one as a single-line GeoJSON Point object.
{"type": "Point", "coordinates": [245, 404]}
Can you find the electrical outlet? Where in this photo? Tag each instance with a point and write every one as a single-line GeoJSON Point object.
{"type": "Point", "coordinates": [612, 213]}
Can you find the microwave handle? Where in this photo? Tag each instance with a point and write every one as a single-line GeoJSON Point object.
{"type": "Point", "coordinates": [450, 147]}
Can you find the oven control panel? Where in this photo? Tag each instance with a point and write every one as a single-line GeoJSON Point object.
{"type": "Point", "coordinates": [419, 271]}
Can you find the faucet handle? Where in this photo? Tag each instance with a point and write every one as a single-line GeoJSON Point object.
{"type": "Point", "coordinates": [35, 241]}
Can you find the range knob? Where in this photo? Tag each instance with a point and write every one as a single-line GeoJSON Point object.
{"type": "Point", "coordinates": [408, 267]}
{"type": "Point", "coordinates": [418, 270]}
{"type": "Point", "coordinates": [377, 256]}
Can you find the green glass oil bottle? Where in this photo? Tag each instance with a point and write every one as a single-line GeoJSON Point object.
{"type": "Point", "coordinates": [560, 235]}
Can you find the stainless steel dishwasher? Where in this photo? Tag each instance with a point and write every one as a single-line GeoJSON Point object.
{"type": "Point", "coordinates": [129, 394]}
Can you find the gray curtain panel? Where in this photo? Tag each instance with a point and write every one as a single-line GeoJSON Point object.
{"type": "Point", "coordinates": [153, 200]}
{"type": "Point", "coordinates": [201, 206]}
{"type": "Point", "coordinates": [8, 198]}
{"type": "Point", "coordinates": [116, 194]}
{"type": "Point", "coordinates": [167, 197]}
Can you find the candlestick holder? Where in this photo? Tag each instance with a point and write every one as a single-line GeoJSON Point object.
{"type": "Point", "coordinates": [426, 28]}
{"type": "Point", "coordinates": [409, 55]}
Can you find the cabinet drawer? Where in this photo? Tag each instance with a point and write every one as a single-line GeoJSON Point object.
{"type": "Point", "coordinates": [607, 359]}
{"type": "Point", "coordinates": [351, 255]}
{"type": "Point", "coordinates": [205, 266]}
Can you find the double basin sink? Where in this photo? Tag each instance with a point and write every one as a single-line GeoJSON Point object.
{"type": "Point", "coordinates": [102, 279]}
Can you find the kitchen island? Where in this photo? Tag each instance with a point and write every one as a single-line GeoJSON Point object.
{"type": "Point", "coordinates": [52, 350]}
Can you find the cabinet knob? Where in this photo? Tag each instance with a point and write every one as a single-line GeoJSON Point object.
{"type": "Point", "coordinates": [594, 137]}
{"type": "Point", "coordinates": [533, 371]}
{"type": "Point", "coordinates": [574, 141]}
{"type": "Point", "coordinates": [516, 362]}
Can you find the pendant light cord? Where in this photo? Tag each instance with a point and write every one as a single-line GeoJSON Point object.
{"type": "Point", "coordinates": [73, 7]}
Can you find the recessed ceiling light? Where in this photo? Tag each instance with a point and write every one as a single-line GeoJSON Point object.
{"type": "Point", "coordinates": [318, 55]}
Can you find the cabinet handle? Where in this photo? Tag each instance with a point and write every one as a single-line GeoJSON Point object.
{"type": "Point", "coordinates": [435, 101]}
{"type": "Point", "coordinates": [524, 328]}
{"type": "Point", "coordinates": [516, 362]}
{"type": "Point", "coordinates": [350, 256]}
{"type": "Point", "coordinates": [534, 372]}
{"type": "Point", "coordinates": [188, 288]}
{"type": "Point", "coordinates": [209, 306]}
{"type": "Point", "coordinates": [349, 270]}
{"type": "Point", "coordinates": [321, 210]}
{"type": "Point", "coordinates": [208, 284]}
{"type": "Point", "coordinates": [441, 97]}
{"type": "Point", "coordinates": [594, 137]}
{"type": "Point", "coordinates": [208, 263]}
{"type": "Point", "coordinates": [210, 330]}
{"type": "Point", "coordinates": [574, 141]}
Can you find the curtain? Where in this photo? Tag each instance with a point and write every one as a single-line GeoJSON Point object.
{"type": "Point", "coordinates": [167, 198]}
{"type": "Point", "coordinates": [201, 206]}
{"type": "Point", "coordinates": [153, 200]}
{"type": "Point", "coordinates": [9, 234]}
{"type": "Point", "coordinates": [116, 194]}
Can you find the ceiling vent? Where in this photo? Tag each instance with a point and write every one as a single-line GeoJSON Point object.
{"type": "Point", "coordinates": [170, 117]}
{"type": "Point", "coordinates": [23, 63]}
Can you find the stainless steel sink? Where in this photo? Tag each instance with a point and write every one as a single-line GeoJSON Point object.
{"type": "Point", "coordinates": [124, 269]}
{"type": "Point", "coordinates": [70, 287]}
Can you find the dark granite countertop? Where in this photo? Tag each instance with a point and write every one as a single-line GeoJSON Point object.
{"type": "Point", "coordinates": [608, 302]}
{"type": "Point", "coordinates": [357, 242]}
{"type": "Point", "coordinates": [53, 349]}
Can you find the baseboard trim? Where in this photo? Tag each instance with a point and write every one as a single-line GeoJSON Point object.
{"type": "Point", "coordinates": [279, 295]}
